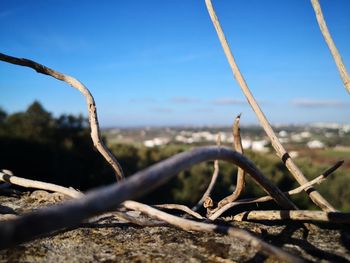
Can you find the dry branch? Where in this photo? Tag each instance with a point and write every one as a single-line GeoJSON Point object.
{"type": "Point", "coordinates": [297, 215]}
{"type": "Point", "coordinates": [281, 152]}
{"type": "Point", "coordinates": [212, 181]}
{"type": "Point", "coordinates": [190, 225]}
{"type": "Point", "coordinates": [210, 187]}
{"type": "Point", "coordinates": [95, 128]}
{"type": "Point", "coordinates": [107, 198]}
{"type": "Point", "coordinates": [328, 38]}
{"type": "Point", "coordinates": [182, 208]}
{"type": "Point", "coordinates": [5, 177]}
{"type": "Point", "coordinates": [318, 180]}
{"type": "Point", "coordinates": [137, 221]}
{"type": "Point", "coordinates": [237, 144]}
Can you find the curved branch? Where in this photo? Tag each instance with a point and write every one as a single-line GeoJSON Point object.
{"type": "Point", "coordinates": [281, 152]}
{"type": "Point", "coordinates": [108, 198]}
{"type": "Point", "coordinates": [210, 187]}
{"type": "Point", "coordinates": [328, 38]}
{"type": "Point", "coordinates": [95, 130]}
{"type": "Point", "coordinates": [5, 177]}
{"type": "Point", "coordinates": [237, 144]}
{"type": "Point", "coordinates": [214, 177]}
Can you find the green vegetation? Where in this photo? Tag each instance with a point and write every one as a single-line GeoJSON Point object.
{"type": "Point", "coordinates": [36, 145]}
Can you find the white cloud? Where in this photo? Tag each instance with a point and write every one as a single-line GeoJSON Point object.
{"type": "Point", "coordinates": [227, 101]}
{"type": "Point", "coordinates": [314, 103]}
{"type": "Point", "coordinates": [143, 100]}
{"type": "Point", "coordinates": [162, 110]}
{"type": "Point", "coordinates": [183, 100]}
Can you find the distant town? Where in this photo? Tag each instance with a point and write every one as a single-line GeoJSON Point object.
{"type": "Point", "coordinates": [313, 136]}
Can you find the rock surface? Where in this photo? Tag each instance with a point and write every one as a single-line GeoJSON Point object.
{"type": "Point", "coordinates": [112, 240]}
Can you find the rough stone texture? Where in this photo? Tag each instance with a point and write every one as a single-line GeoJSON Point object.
{"type": "Point", "coordinates": [112, 240]}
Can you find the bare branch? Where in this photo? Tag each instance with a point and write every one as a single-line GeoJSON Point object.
{"type": "Point", "coordinates": [237, 144]}
{"type": "Point", "coordinates": [95, 128]}
{"type": "Point", "coordinates": [105, 199]}
{"type": "Point", "coordinates": [215, 213]}
{"type": "Point", "coordinates": [296, 215]}
{"type": "Point", "coordinates": [210, 187]}
{"type": "Point", "coordinates": [181, 208]}
{"type": "Point", "coordinates": [137, 221]}
{"type": "Point", "coordinates": [5, 177]}
{"type": "Point", "coordinates": [212, 181]}
{"type": "Point", "coordinates": [328, 38]}
{"type": "Point", "coordinates": [190, 225]}
{"type": "Point", "coordinates": [281, 152]}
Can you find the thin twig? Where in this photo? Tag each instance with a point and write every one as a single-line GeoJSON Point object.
{"type": "Point", "coordinates": [281, 152]}
{"type": "Point", "coordinates": [328, 38]}
{"type": "Point", "coordinates": [5, 177]}
{"type": "Point", "coordinates": [215, 213]}
{"type": "Point", "coordinates": [95, 128]}
{"type": "Point", "coordinates": [237, 144]}
{"type": "Point", "coordinates": [182, 208]}
{"type": "Point", "coordinates": [190, 225]}
{"type": "Point", "coordinates": [295, 215]}
{"type": "Point", "coordinates": [137, 221]}
{"type": "Point", "coordinates": [107, 198]}
{"type": "Point", "coordinates": [210, 187]}
{"type": "Point", "coordinates": [212, 181]}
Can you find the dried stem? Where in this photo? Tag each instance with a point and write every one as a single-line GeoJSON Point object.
{"type": "Point", "coordinates": [281, 152]}
{"type": "Point", "coordinates": [182, 208]}
{"type": "Point", "coordinates": [137, 221]}
{"type": "Point", "coordinates": [107, 198]}
{"type": "Point", "coordinates": [328, 38]}
{"type": "Point", "coordinates": [237, 144]}
{"type": "Point", "coordinates": [95, 130]}
{"type": "Point", "coordinates": [296, 215]}
{"type": "Point", "coordinates": [190, 225]}
{"type": "Point", "coordinates": [212, 181]}
{"type": "Point", "coordinates": [318, 180]}
{"type": "Point", "coordinates": [39, 185]}
{"type": "Point", "coordinates": [210, 187]}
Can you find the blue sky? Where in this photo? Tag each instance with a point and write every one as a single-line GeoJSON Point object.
{"type": "Point", "coordinates": [160, 62]}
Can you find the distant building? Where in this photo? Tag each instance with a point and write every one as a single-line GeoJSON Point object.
{"type": "Point", "coordinates": [283, 133]}
{"type": "Point", "coordinates": [246, 143]}
{"type": "Point", "coordinates": [183, 139]}
{"type": "Point", "coordinates": [155, 142]}
{"type": "Point", "coordinates": [260, 146]}
{"type": "Point", "coordinates": [305, 134]}
{"type": "Point", "coordinates": [257, 146]}
{"type": "Point", "coordinates": [296, 137]}
{"type": "Point", "coordinates": [293, 154]}
{"type": "Point", "coordinates": [315, 144]}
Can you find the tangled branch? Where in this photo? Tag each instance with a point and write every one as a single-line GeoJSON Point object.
{"type": "Point", "coordinates": [318, 180]}
{"type": "Point", "coordinates": [281, 152]}
{"type": "Point", "coordinates": [189, 225]}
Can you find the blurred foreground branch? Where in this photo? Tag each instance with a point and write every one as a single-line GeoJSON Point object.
{"type": "Point", "coordinates": [108, 198]}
